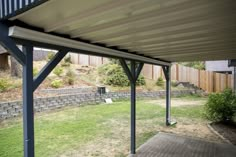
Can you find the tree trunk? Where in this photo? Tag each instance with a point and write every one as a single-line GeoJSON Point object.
{"type": "Point", "coordinates": [4, 65]}
{"type": "Point", "coordinates": [16, 68]}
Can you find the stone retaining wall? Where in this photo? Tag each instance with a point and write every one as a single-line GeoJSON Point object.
{"type": "Point", "coordinates": [13, 109]}
{"type": "Point", "coordinates": [86, 89]}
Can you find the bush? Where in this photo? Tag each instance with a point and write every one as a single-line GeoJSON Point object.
{"type": "Point", "coordinates": [174, 84]}
{"type": "Point", "coordinates": [70, 77]}
{"type": "Point", "coordinates": [221, 107]}
{"type": "Point", "coordinates": [4, 84]}
{"type": "Point", "coordinates": [35, 71]}
{"type": "Point", "coordinates": [67, 59]}
{"type": "Point", "coordinates": [160, 82]}
{"type": "Point", "coordinates": [65, 64]}
{"type": "Point", "coordinates": [58, 71]}
{"type": "Point", "coordinates": [56, 84]}
{"type": "Point", "coordinates": [141, 80]}
{"type": "Point", "coordinates": [115, 76]}
{"type": "Point", "coordinates": [50, 55]}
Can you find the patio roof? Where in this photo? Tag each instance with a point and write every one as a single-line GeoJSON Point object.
{"type": "Point", "coordinates": [143, 31]}
{"type": "Point", "coordinates": [172, 30]}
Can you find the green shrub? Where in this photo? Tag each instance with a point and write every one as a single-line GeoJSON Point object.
{"type": "Point", "coordinates": [70, 76]}
{"type": "Point", "coordinates": [114, 75]}
{"type": "Point", "coordinates": [221, 107]}
{"type": "Point", "coordinates": [35, 71]}
{"type": "Point", "coordinates": [4, 84]}
{"type": "Point", "coordinates": [141, 80]}
{"type": "Point", "coordinates": [67, 59]}
{"type": "Point", "coordinates": [65, 64]}
{"type": "Point", "coordinates": [56, 84]}
{"type": "Point", "coordinates": [50, 55]}
{"type": "Point", "coordinates": [160, 82]}
{"type": "Point", "coordinates": [174, 84]}
{"type": "Point", "coordinates": [58, 71]}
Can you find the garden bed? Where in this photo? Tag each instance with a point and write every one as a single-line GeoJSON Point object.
{"type": "Point", "coordinates": [228, 131]}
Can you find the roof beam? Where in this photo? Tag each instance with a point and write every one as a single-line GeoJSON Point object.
{"type": "Point", "coordinates": [10, 45]}
{"type": "Point", "coordinates": [26, 34]}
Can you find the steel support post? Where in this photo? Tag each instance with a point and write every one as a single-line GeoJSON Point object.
{"type": "Point", "coordinates": [133, 108]}
{"type": "Point", "coordinates": [166, 70]}
{"type": "Point", "coordinates": [132, 74]}
{"type": "Point", "coordinates": [234, 80]}
{"type": "Point", "coordinates": [28, 107]}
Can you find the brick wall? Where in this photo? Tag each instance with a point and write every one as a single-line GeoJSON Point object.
{"type": "Point", "coordinates": [13, 109]}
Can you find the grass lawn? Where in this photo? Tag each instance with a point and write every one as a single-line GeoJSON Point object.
{"type": "Point", "coordinates": [101, 130]}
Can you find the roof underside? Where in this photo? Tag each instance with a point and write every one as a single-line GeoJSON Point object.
{"type": "Point", "coordinates": [171, 30]}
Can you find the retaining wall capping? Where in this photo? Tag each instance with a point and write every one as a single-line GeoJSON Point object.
{"type": "Point", "coordinates": [13, 109]}
{"type": "Point", "coordinates": [85, 89]}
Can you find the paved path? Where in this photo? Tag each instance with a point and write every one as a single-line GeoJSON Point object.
{"type": "Point", "coordinates": [171, 145]}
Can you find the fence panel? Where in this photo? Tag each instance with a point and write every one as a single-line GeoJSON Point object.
{"type": "Point", "coordinates": [157, 72]}
{"type": "Point", "coordinates": [147, 71]}
{"type": "Point", "coordinates": [206, 80]}
{"type": "Point", "coordinates": [95, 61]}
{"type": "Point", "coordinates": [173, 72]}
{"type": "Point", "coordinates": [202, 79]}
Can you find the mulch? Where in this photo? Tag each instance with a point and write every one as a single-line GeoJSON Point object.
{"type": "Point", "coordinates": [228, 130]}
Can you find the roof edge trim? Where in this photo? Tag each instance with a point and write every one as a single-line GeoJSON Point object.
{"type": "Point", "coordinates": [31, 35]}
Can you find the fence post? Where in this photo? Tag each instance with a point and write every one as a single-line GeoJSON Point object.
{"type": "Point", "coordinates": [89, 60]}
{"type": "Point", "coordinates": [214, 82]}
{"type": "Point", "coordinates": [152, 72]}
{"type": "Point", "coordinates": [177, 72]}
{"type": "Point", "coordinates": [199, 78]}
{"type": "Point", "coordinates": [226, 80]}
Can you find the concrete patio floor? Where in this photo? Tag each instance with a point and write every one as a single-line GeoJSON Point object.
{"type": "Point", "coordinates": [171, 145]}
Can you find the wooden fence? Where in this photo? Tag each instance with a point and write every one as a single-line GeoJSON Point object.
{"type": "Point", "coordinates": [206, 80]}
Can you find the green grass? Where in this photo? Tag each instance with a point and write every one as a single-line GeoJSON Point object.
{"type": "Point", "coordinates": [71, 128]}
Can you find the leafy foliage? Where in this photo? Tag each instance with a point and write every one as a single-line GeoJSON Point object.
{"type": "Point", "coordinates": [65, 64]}
{"type": "Point", "coordinates": [58, 71]}
{"type": "Point", "coordinates": [197, 64]}
{"type": "Point", "coordinates": [174, 84]}
{"type": "Point", "coordinates": [160, 82]}
{"type": "Point", "coordinates": [4, 84]}
{"type": "Point", "coordinates": [67, 59]}
{"type": "Point", "coordinates": [221, 106]}
{"type": "Point", "coordinates": [70, 76]}
{"type": "Point", "coordinates": [56, 84]}
{"type": "Point", "coordinates": [35, 71]}
{"type": "Point", "coordinates": [115, 76]}
{"type": "Point", "coordinates": [50, 55]}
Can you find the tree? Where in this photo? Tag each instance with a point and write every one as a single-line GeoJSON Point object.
{"type": "Point", "coordinates": [16, 68]}
{"type": "Point", "coordinates": [4, 65]}
{"type": "Point", "coordinates": [196, 64]}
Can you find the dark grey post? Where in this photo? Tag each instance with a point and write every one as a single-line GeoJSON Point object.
{"type": "Point", "coordinates": [133, 74]}
{"type": "Point", "coordinates": [234, 79]}
{"type": "Point", "coordinates": [168, 96]}
{"type": "Point", "coordinates": [28, 109]}
{"type": "Point", "coordinates": [166, 70]}
{"type": "Point", "coordinates": [133, 108]}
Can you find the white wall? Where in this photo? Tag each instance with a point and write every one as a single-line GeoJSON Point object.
{"type": "Point", "coordinates": [218, 66]}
